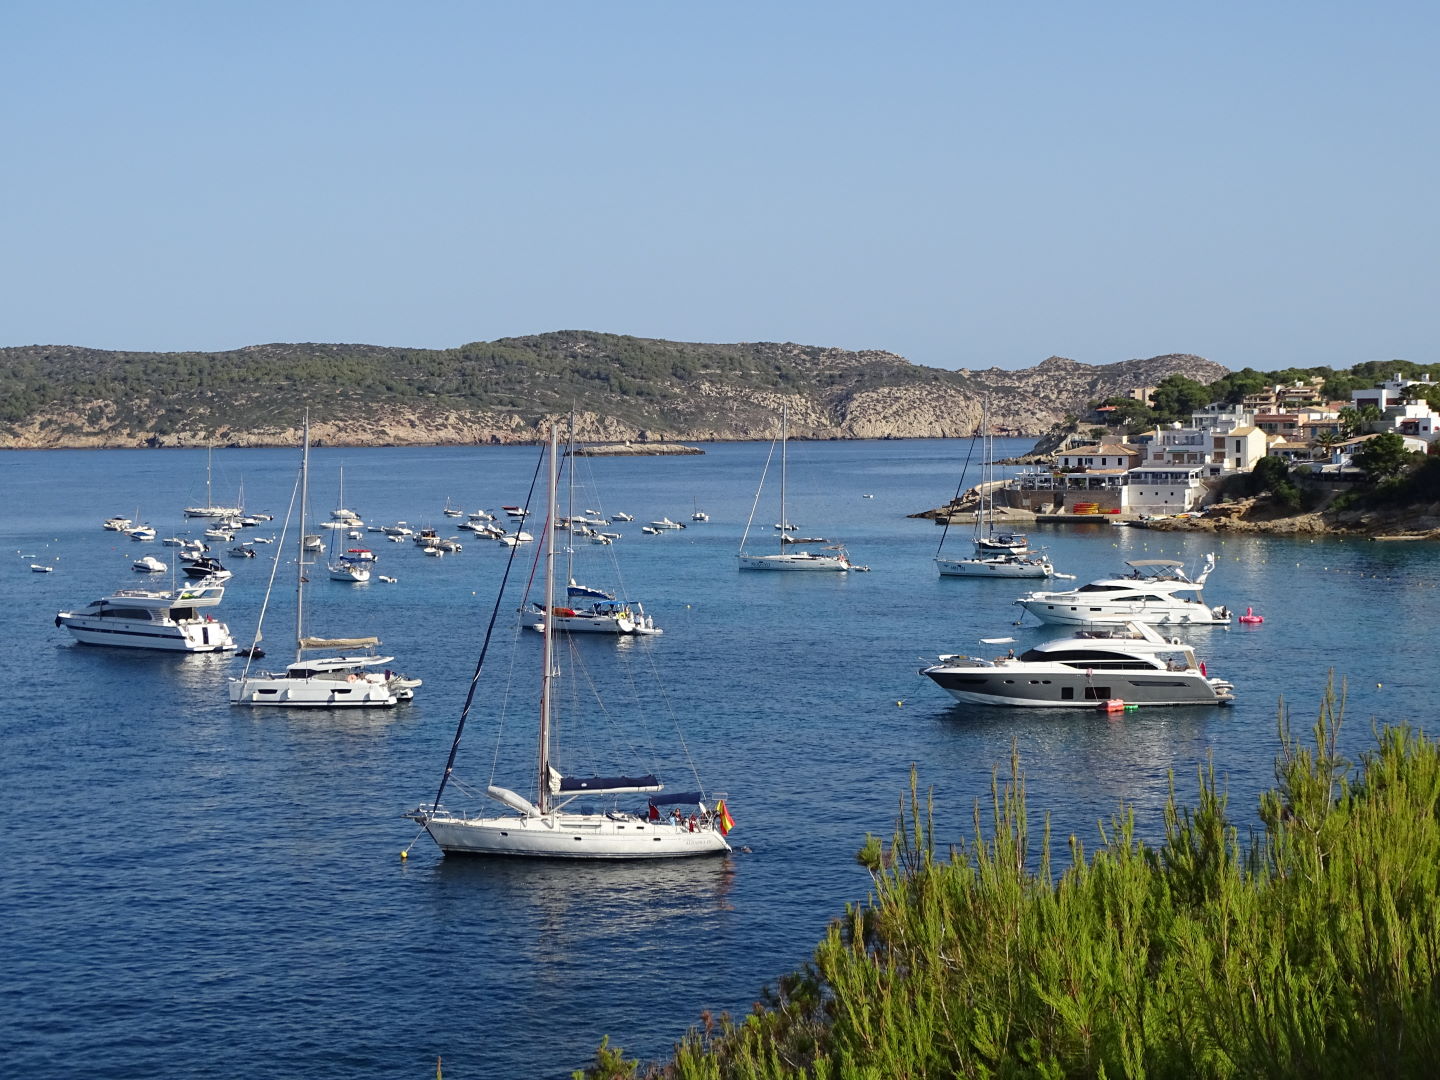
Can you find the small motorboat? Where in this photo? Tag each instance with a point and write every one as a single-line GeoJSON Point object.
{"type": "Point", "coordinates": [148, 564]}
{"type": "Point", "coordinates": [1250, 617]}
{"type": "Point", "coordinates": [38, 568]}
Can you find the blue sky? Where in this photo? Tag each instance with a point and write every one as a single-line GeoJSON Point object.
{"type": "Point", "coordinates": [969, 185]}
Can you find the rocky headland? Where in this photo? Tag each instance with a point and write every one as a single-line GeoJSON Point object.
{"type": "Point", "coordinates": [620, 389]}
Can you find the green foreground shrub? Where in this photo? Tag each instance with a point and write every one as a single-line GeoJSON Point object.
{"type": "Point", "coordinates": [1312, 950]}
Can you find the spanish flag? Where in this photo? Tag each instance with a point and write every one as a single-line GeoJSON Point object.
{"type": "Point", "coordinates": [723, 818]}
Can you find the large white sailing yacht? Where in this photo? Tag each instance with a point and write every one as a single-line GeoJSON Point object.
{"type": "Point", "coordinates": [548, 826]}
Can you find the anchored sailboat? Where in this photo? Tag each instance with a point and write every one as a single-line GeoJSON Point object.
{"type": "Point", "coordinates": [210, 510]}
{"type": "Point", "coordinates": [342, 680]}
{"type": "Point", "coordinates": [996, 555]}
{"type": "Point", "coordinates": [834, 556]}
{"type": "Point", "coordinates": [548, 827]}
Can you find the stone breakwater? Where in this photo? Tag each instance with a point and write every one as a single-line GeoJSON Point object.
{"type": "Point", "coordinates": [636, 450]}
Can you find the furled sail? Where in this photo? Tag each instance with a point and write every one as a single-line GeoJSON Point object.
{"type": "Point", "coordinates": [339, 643]}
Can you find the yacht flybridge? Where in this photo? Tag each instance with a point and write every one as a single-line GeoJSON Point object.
{"type": "Point", "coordinates": [152, 619]}
{"type": "Point", "coordinates": [1113, 668]}
{"type": "Point", "coordinates": [1156, 591]}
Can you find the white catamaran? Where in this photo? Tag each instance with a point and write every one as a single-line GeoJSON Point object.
{"type": "Point", "coordinates": [550, 826]}
{"type": "Point", "coordinates": [347, 679]}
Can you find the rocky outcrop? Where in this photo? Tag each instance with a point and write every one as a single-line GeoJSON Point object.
{"type": "Point", "coordinates": [1259, 515]}
{"type": "Point", "coordinates": [623, 389]}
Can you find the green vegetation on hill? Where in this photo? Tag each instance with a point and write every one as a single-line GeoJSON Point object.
{"type": "Point", "coordinates": [543, 373]}
{"type": "Point", "coordinates": [1311, 950]}
{"type": "Point", "coordinates": [622, 387]}
{"type": "Point", "coordinates": [1177, 396]}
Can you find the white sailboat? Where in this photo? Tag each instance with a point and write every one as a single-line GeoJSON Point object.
{"type": "Point", "coordinates": [345, 679]}
{"type": "Point", "coordinates": [342, 517]}
{"type": "Point", "coordinates": [548, 827]}
{"type": "Point", "coordinates": [833, 557]}
{"type": "Point", "coordinates": [210, 510]}
{"type": "Point", "coordinates": [996, 555]}
{"type": "Point", "coordinates": [586, 610]}
{"type": "Point", "coordinates": [342, 565]}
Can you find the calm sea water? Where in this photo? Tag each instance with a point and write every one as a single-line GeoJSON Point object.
{"type": "Point", "coordinates": [191, 889]}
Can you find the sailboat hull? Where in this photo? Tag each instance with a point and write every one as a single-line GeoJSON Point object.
{"type": "Point", "coordinates": [281, 691]}
{"type": "Point", "coordinates": [999, 567]}
{"type": "Point", "coordinates": [572, 836]}
{"type": "Point", "coordinates": [796, 560]}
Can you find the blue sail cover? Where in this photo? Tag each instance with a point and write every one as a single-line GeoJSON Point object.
{"type": "Point", "coordinates": [685, 798]}
{"type": "Point", "coordinates": [585, 590]}
{"type": "Point", "coordinates": [575, 785]}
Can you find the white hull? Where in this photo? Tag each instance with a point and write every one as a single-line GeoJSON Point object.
{"type": "Point", "coordinates": [993, 568]}
{"type": "Point", "coordinates": [595, 624]}
{"type": "Point", "coordinates": [318, 692]}
{"type": "Point", "coordinates": [196, 636]}
{"type": "Point", "coordinates": [1130, 691]}
{"type": "Point", "coordinates": [798, 560]}
{"type": "Point", "coordinates": [212, 511]}
{"type": "Point", "coordinates": [1082, 614]}
{"type": "Point", "coordinates": [572, 836]}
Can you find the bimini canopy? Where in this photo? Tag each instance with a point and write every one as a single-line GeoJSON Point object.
{"type": "Point", "coordinates": [685, 798]}
{"type": "Point", "coordinates": [339, 643]}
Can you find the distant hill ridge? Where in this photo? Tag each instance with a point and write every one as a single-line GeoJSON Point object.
{"type": "Point", "coordinates": [503, 391]}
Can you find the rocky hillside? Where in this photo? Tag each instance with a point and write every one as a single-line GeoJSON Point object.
{"type": "Point", "coordinates": [621, 388]}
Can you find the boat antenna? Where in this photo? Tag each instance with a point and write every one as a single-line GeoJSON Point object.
{"type": "Point", "coordinates": [484, 648]}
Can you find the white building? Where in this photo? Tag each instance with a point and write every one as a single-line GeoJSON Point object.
{"type": "Point", "coordinates": [1158, 489]}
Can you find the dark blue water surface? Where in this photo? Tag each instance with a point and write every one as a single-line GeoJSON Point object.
{"type": "Point", "coordinates": [191, 889]}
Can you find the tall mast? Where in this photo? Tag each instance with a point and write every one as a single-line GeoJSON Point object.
{"type": "Point", "coordinates": [784, 466]}
{"type": "Point", "coordinates": [548, 652]}
{"type": "Point", "coordinates": [209, 449]}
{"type": "Point", "coordinates": [570, 501]}
{"type": "Point", "coordinates": [300, 560]}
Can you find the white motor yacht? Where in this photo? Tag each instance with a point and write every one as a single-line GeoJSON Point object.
{"type": "Point", "coordinates": [145, 619]}
{"type": "Point", "coordinates": [1108, 668]}
{"type": "Point", "coordinates": [148, 564]}
{"type": "Point", "coordinates": [1156, 591]}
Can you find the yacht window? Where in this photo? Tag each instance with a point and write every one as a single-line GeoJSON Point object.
{"type": "Point", "coordinates": [1098, 693]}
{"type": "Point", "coordinates": [125, 613]}
{"type": "Point", "coordinates": [1067, 693]}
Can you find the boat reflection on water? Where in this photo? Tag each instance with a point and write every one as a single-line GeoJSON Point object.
{"type": "Point", "coordinates": [575, 903]}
